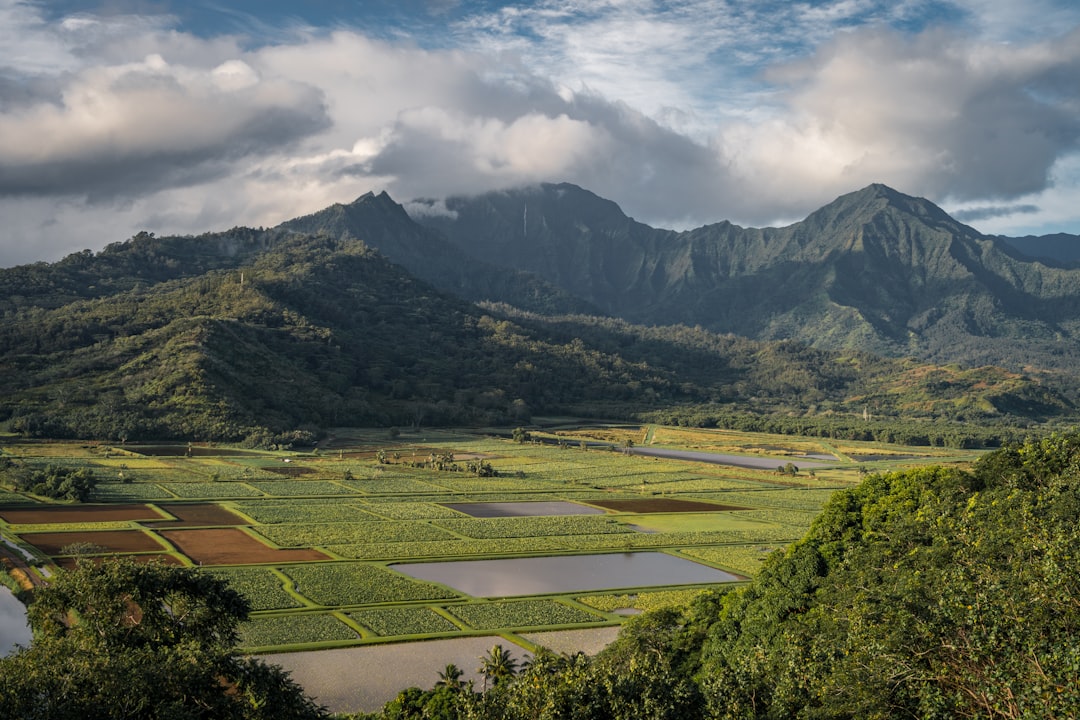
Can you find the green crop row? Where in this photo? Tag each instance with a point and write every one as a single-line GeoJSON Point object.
{"type": "Point", "coordinates": [70, 527]}
{"type": "Point", "coordinates": [398, 621]}
{"type": "Point", "coordinates": [300, 488]}
{"type": "Point", "coordinates": [790, 498]}
{"type": "Point", "coordinates": [313, 535]}
{"type": "Point", "coordinates": [261, 586]}
{"type": "Point", "coordinates": [745, 559]}
{"type": "Point", "coordinates": [293, 629]}
{"type": "Point", "coordinates": [645, 601]}
{"type": "Point", "coordinates": [446, 548]}
{"type": "Point", "coordinates": [210, 490]}
{"type": "Point", "coordinates": [553, 526]}
{"type": "Point", "coordinates": [461, 483]}
{"type": "Point", "coordinates": [129, 492]}
{"type": "Point", "coordinates": [520, 614]}
{"type": "Point", "coordinates": [10, 498]}
{"type": "Point", "coordinates": [795, 518]}
{"type": "Point", "coordinates": [337, 584]}
{"type": "Point", "coordinates": [766, 533]}
{"type": "Point", "coordinates": [412, 511]}
{"type": "Point", "coordinates": [701, 484]}
{"type": "Point", "coordinates": [390, 482]}
{"type": "Point", "coordinates": [290, 511]}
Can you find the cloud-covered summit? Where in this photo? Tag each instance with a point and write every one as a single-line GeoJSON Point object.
{"type": "Point", "coordinates": [683, 112]}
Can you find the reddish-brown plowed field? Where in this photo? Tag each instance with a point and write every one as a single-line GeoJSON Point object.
{"type": "Point", "coordinates": [662, 505]}
{"type": "Point", "coordinates": [90, 513]}
{"type": "Point", "coordinates": [68, 563]}
{"type": "Point", "coordinates": [231, 546]}
{"type": "Point", "coordinates": [199, 514]}
{"type": "Point", "coordinates": [122, 541]}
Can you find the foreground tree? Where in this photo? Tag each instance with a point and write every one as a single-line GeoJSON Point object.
{"type": "Point", "coordinates": [122, 640]}
{"type": "Point", "coordinates": [933, 593]}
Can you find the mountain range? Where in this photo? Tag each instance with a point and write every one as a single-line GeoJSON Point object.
{"type": "Point", "coordinates": [546, 299]}
{"type": "Point", "coordinates": [874, 270]}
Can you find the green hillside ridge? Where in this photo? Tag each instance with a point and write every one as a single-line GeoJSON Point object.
{"type": "Point", "coordinates": [874, 270]}
{"type": "Point", "coordinates": [383, 224]}
{"type": "Point", "coordinates": [269, 336]}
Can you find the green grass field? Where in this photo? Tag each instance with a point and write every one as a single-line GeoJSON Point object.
{"type": "Point", "coordinates": [365, 515]}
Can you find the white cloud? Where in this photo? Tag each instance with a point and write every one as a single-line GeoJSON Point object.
{"type": "Point", "coordinates": [130, 124]}
{"type": "Point", "coordinates": [933, 115]}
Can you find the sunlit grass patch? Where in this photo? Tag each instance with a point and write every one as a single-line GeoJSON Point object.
{"type": "Point", "coordinates": [211, 490]}
{"type": "Point", "coordinates": [294, 630]}
{"type": "Point", "coordinates": [520, 614]}
{"type": "Point", "coordinates": [390, 482]}
{"type": "Point", "coordinates": [447, 548]}
{"type": "Point", "coordinates": [299, 488]}
{"type": "Point", "coordinates": [399, 621]}
{"type": "Point", "coordinates": [375, 531]}
{"type": "Point", "coordinates": [643, 601]}
{"type": "Point", "coordinates": [553, 526]}
{"type": "Point", "coordinates": [338, 584]}
{"type": "Point", "coordinates": [127, 492]}
{"type": "Point", "coordinates": [744, 559]}
{"type": "Point", "coordinates": [795, 518]}
{"type": "Point", "coordinates": [693, 522]}
{"type": "Point", "coordinates": [262, 587]}
{"type": "Point", "coordinates": [790, 499]}
{"type": "Point", "coordinates": [290, 511]}
{"type": "Point", "coordinates": [412, 510]}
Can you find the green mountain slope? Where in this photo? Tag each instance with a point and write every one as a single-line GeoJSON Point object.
{"type": "Point", "coordinates": [1059, 248]}
{"type": "Point", "coordinates": [267, 333]}
{"type": "Point", "coordinates": [874, 270]}
{"type": "Point", "coordinates": [383, 224]}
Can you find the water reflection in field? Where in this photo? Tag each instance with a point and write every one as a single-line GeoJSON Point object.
{"type": "Point", "coordinates": [362, 679]}
{"type": "Point", "coordinates": [13, 628]}
{"type": "Point", "coordinates": [568, 573]}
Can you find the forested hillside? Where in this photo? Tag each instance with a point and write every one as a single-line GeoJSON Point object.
{"type": "Point", "coordinates": [269, 337]}
{"type": "Point", "coordinates": [933, 594]}
{"type": "Point", "coordinates": [875, 270]}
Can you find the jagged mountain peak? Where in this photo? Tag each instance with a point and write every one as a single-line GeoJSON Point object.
{"type": "Point", "coordinates": [382, 198]}
{"type": "Point", "coordinates": [869, 204]}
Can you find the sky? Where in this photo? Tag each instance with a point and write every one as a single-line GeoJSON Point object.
{"type": "Point", "coordinates": [120, 116]}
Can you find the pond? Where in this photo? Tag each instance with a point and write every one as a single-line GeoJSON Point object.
{"type": "Point", "coordinates": [522, 509]}
{"type": "Point", "coordinates": [566, 573]}
{"type": "Point", "coordinates": [13, 627]}
{"type": "Point", "coordinates": [362, 679]}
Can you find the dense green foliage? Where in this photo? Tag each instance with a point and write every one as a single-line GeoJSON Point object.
{"type": "Point", "coordinates": [268, 336]}
{"type": "Point", "coordinates": [141, 641]}
{"type": "Point", "coordinates": [874, 270]}
{"type": "Point", "coordinates": [54, 481]}
{"type": "Point", "coordinates": [932, 593]}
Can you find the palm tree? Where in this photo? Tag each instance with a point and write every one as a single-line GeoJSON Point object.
{"type": "Point", "coordinates": [498, 665]}
{"type": "Point", "coordinates": [450, 677]}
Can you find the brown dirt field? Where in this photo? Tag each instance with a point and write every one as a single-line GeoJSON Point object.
{"type": "Point", "coordinates": [199, 514]}
{"type": "Point", "coordinates": [68, 563]}
{"type": "Point", "coordinates": [89, 513]}
{"type": "Point", "coordinates": [122, 541]}
{"type": "Point", "coordinates": [231, 546]}
{"type": "Point", "coordinates": [660, 505]}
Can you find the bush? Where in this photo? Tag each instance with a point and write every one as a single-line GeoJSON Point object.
{"type": "Point", "coordinates": [59, 483]}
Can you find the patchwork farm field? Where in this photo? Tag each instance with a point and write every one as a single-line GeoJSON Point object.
{"type": "Point", "coordinates": [320, 541]}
